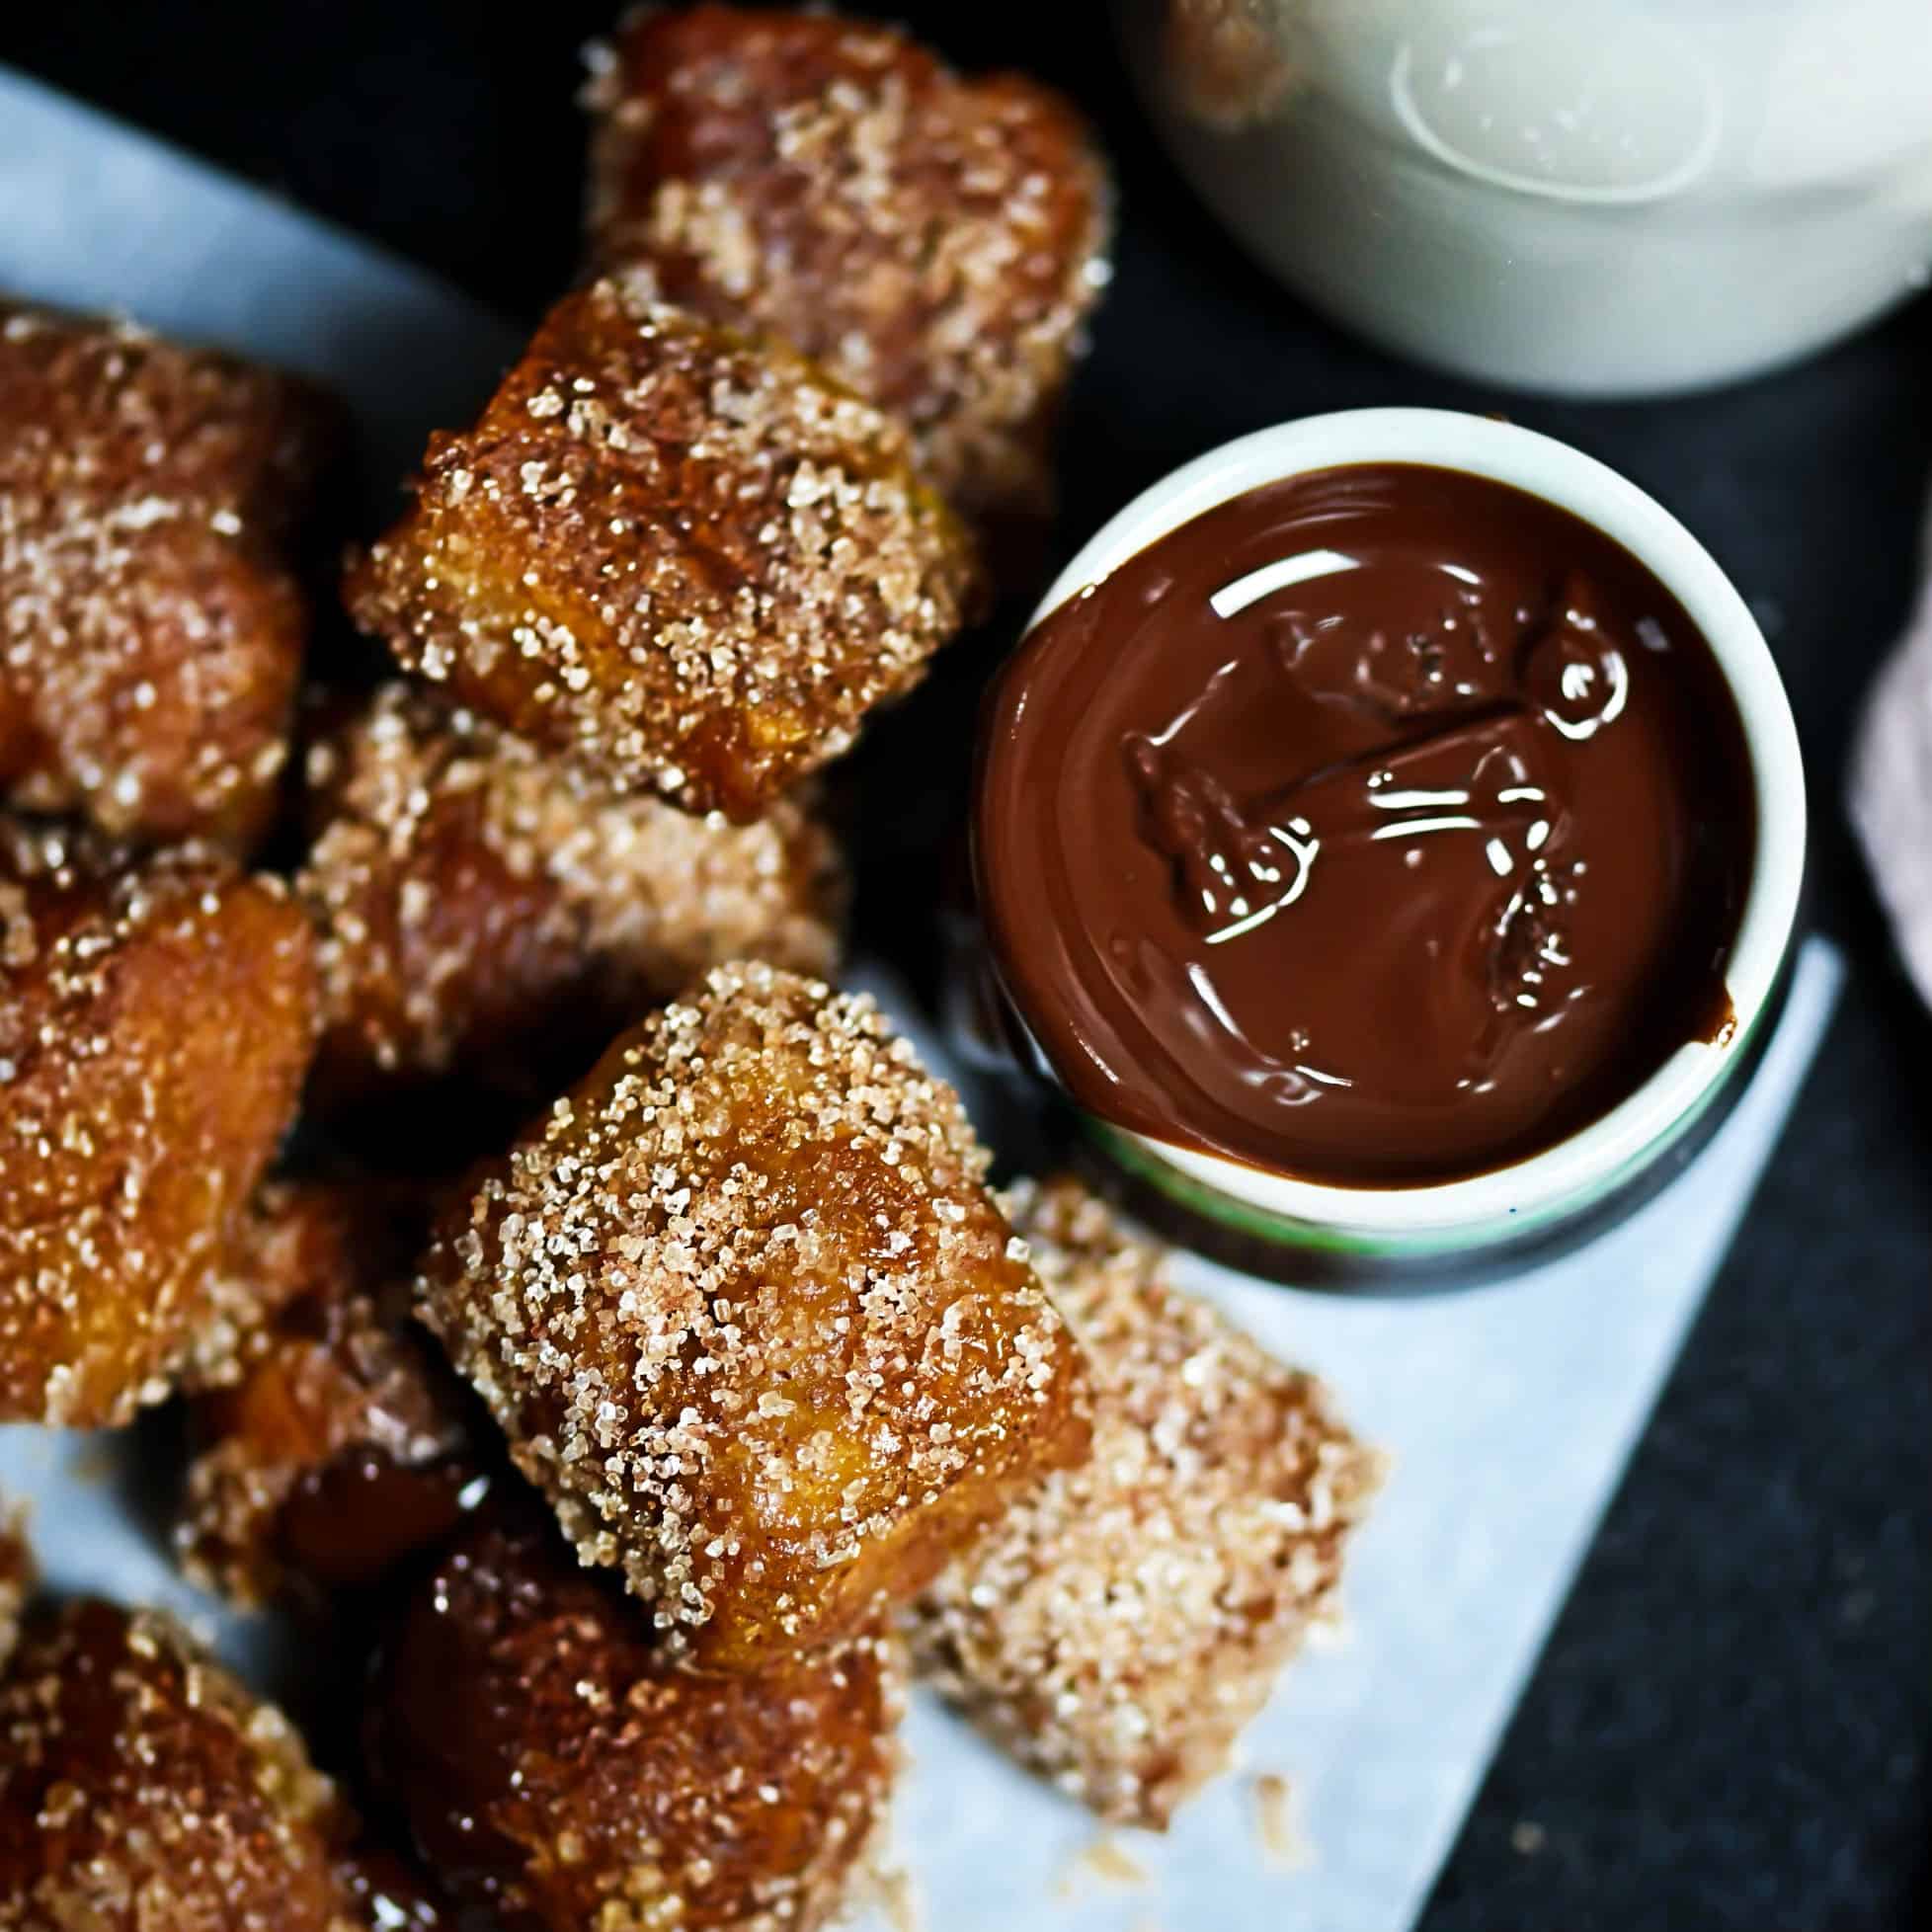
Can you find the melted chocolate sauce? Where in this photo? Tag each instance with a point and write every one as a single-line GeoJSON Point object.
{"type": "Point", "coordinates": [1383, 826]}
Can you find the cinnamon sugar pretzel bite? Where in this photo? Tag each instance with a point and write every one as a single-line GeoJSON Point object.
{"type": "Point", "coordinates": [481, 908]}
{"type": "Point", "coordinates": [156, 1021]}
{"type": "Point", "coordinates": [751, 1319]}
{"type": "Point", "coordinates": [691, 562]}
{"type": "Point", "coordinates": [936, 242]}
{"type": "Point", "coordinates": [142, 1787]}
{"type": "Point", "coordinates": [1117, 1627]}
{"type": "Point", "coordinates": [557, 1773]}
{"type": "Point", "coordinates": [151, 627]}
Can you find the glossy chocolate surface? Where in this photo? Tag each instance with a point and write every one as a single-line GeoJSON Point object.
{"type": "Point", "coordinates": [1380, 827]}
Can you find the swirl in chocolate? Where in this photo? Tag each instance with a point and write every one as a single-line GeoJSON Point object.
{"type": "Point", "coordinates": [1380, 827]}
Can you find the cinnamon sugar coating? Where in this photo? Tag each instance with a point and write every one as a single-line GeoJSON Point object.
{"type": "Point", "coordinates": [151, 631]}
{"type": "Point", "coordinates": [331, 1448]}
{"type": "Point", "coordinates": [141, 1787]}
{"type": "Point", "coordinates": [482, 907]}
{"type": "Point", "coordinates": [156, 1019]}
{"type": "Point", "coordinates": [689, 561]}
{"type": "Point", "coordinates": [1119, 1627]}
{"type": "Point", "coordinates": [751, 1321]}
{"type": "Point", "coordinates": [292, 1239]}
{"type": "Point", "coordinates": [936, 242]}
{"type": "Point", "coordinates": [556, 1774]}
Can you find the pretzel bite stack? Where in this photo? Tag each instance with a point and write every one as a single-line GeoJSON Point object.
{"type": "Point", "coordinates": [698, 536]}
{"type": "Point", "coordinates": [935, 242]}
{"type": "Point", "coordinates": [157, 1003]}
{"type": "Point", "coordinates": [631, 1467]}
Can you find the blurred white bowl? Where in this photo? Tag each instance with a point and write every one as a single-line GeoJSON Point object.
{"type": "Point", "coordinates": [1585, 196]}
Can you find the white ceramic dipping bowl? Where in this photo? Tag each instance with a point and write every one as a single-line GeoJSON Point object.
{"type": "Point", "coordinates": [1510, 1207]}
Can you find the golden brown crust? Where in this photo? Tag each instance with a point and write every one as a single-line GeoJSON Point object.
{"type": "Point", "coordinates": [936, 242]}
{"type": "Point", "coordinates": [294, 1240]}
{"type": "Point", "coordinates": [150, 630]}
{"type": "Point", "coordinates": [141, 1787]}
{"type": "Point", "coordinates": [748, 1315]}
{"type": "Point", "coordinates": [330, 1448]}
{"type": "Point", "coordinates": [17, 1576]}
{"type": "Point", "coordinates": [1123, 1622]}
{"type": "Point", "coordinates": [156, 1019]}
{"type": "Point", "coordinates": [556, 1774]}
{"type": "Point", "coordinates": [689, 562]}
{"type": "Point", "coordinates": [481, 907]}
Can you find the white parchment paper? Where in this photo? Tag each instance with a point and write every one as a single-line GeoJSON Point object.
{"type": "Point", "coordinates": [96, 217]}
{"type": "Point", "coordinates": [1509, 1412]}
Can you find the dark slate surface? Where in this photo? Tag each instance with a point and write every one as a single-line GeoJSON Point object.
{"type": "Point", "coordinates": [1728, 1728]}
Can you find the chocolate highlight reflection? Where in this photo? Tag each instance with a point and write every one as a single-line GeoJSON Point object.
{"type": "Point", "coordinates": [1380, 827]}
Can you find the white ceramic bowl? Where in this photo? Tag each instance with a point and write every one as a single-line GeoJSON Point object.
{"type": "Point", "coordinates": [1569, 1178]}
{"type": "Point", "coordinates": [1592, 197]}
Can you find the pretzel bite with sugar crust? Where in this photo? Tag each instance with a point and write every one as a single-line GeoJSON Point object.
{"type": "Point", "coordinates": [751, 1321]}
{"type": "Point", "coordinates": [335, 1444]}
{"type": "Point", "coordinates": [151, 630]}
{"type": "Point", "coordinates": [142, 1787]}
{"type": "Point", "coordinates": [482, 907]}
{"type": "Point", "coordinates": [1117, 1627]}
{"type": "Point", "coordinates": [691, 562]}
{"type": "Point", "coordinates": [936, 242]}
{"type": "Point", "coordinates": [555, 1772]}
{"type": "Point", "coordinates": [156, 1019]}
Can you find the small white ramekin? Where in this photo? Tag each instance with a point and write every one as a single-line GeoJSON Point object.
{"type": "Point", "coordinates": [1509, 1205]}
